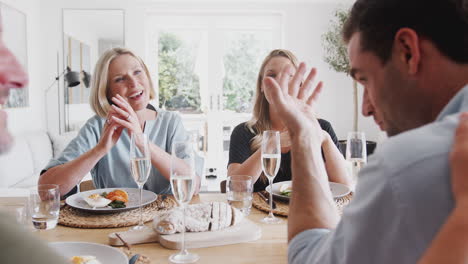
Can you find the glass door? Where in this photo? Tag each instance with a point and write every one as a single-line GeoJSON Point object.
{"type": "Point", "coordinates": [207, 67]}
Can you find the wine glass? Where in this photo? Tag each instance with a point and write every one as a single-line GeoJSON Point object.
{"type": "Point", "coordinates": [356, 153]}
{"type": "Point", "coordinates": [271, 159]}
{"type": "Point", "coordinates": [183, 181]}
{"type": "Point", "coordinates": [140, 162]}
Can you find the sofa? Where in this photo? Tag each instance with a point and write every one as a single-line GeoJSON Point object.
{"type": "Point", "coordinates": [31, 151]}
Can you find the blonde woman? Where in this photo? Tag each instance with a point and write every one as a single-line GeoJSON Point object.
{"type": "Point", "coordinates": [245, 153]}
{"type": "Point", "coordinates": [120, 95]}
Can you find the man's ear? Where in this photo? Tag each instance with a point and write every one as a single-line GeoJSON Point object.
{"type": "Point", "coordinates": [407, 48]}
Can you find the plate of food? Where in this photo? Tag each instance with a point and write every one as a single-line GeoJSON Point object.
{"type": "Point", "coordinates": [88, 253]}
{"type": "Point", "coordinates": [283, 190]}
{"type": "Point", "coordinates": [110, 200]}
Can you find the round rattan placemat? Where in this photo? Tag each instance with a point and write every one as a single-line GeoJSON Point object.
{"type": "Point", "coordinates": [72, 217]}
{"type": "Point", "coordinates": [282, 207]}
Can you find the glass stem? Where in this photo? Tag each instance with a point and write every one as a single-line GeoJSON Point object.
{"type": "Point", "coordinates": [182, 251]}
{"type": "Point", "coordinates": [271, 198]}
{"type": "Point", "coordinates": [141, 207]}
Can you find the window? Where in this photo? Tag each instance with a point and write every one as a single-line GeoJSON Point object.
{"type": "Point", "coordinates": [207, 66]}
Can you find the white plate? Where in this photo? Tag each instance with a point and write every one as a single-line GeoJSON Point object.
{"type": "Point", "coordinates": [338, 190]}
{"type": "Point", "coordinates": [105, 254]}
{"type": "Point", "coordinates": [77, 200]}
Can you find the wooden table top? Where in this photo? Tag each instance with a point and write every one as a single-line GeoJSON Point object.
{"type": "Point", "coordinates": [270, 248]}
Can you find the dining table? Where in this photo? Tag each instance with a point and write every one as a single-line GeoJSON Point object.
{"type": "Point", "coordinates": [270, 248]}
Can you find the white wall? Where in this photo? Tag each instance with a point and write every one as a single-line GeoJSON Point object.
{"type": "Point", "coordinates": [304, 24]}
{"type": "Point", "coordinates": [20, 119]}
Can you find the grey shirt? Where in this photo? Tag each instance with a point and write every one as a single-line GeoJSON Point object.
{"type": "Point", "coordinates": [403, 197]}
{"type": "Point", "coordinates": [113, 170]}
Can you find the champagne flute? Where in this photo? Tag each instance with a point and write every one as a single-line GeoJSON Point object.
{"type": "Point", "coordinates": [356, 153]}
{"type": "Point", "coordinates": [140, 162]}
{"type": "Point", "coordinates": [271, 160]}
{"type": "Point", "coordinates": [183, 181]}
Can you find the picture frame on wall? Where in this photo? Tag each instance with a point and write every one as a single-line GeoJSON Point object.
{"type": "Point", "coordinates": [15, 38]}
{"type": "Point", "coordinates": [77, 53]}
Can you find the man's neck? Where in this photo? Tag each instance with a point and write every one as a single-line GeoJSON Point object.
{"type": "Point", "coordinates": [452, 78]}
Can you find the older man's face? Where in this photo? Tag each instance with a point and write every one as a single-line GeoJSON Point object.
{"type": "Point", "coordinates": [13, 76]}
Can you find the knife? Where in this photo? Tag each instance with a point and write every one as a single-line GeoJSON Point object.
{"type": "Point", "coordinates": [273, 204]}
{"type": "Point", "coordinates": [134, 259]}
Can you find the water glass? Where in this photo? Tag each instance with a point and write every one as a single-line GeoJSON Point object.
{"type": "Point", "coordinates": [239, 192]}
{"type": "Point", "coordinates": [356, 152]}
{"type": "Point", "coordinates": [44, 206]}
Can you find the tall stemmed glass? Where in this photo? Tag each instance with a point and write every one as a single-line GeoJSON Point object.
{"type": "Point", "coordinates": [183, 183]}
{"type": "Point", "coordinates": [140, 162]}
{"type": "Point", "coordinates": [271, 160]}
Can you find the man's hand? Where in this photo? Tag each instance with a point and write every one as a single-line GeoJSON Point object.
{"type": "Point", "coordinates": [294, 102]}
{"type": "Point", "coordinates": [311, 204]}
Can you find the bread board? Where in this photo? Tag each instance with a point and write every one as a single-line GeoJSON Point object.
{"type": "Point", "coordinates": [245, 231]}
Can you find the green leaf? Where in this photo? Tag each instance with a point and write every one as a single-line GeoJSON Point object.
{"type": "Point", "coordinates": [336, 54]}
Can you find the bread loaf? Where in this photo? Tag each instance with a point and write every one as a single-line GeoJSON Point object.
{"type": "Point", "coordinates": [199, 218]}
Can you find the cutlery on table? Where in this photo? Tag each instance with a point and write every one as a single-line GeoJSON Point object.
{"type": "Point", "coordinates": [267, 199]}
{"type": "Point", "coordinates": [135, 257]}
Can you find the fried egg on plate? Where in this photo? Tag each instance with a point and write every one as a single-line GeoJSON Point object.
{"type": "Point", "coordinates": [96, 200]}
{"type": "Point", "coordinates": [84, 260]}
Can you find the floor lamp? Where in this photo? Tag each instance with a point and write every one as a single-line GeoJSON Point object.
{"type": "Point", "coordinates": [72, 79]}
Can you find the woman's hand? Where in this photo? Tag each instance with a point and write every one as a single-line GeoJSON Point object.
{"type": "Point", "coordinates": [459, 161]}
{"type": "Point", "coordinates": [111, 132]}
{"type": "Point", "coordinates": [125, 117]}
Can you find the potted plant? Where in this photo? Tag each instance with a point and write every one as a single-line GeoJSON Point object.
{"type": "Point", "coordinates": [336, 55]}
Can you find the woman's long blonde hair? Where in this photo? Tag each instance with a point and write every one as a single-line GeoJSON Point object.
{"type": "Point", "coordinates": [261, 116]}
{"type": "Point", "coordinates": [99, 97]}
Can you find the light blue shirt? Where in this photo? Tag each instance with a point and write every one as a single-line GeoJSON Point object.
{"type": "Point", "coordinates": [402, 199]}
{"type": "Point", "coordinates": [113, 170]}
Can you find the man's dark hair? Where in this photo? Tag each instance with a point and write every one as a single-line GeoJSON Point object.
{"type": "Point", "coordinates": [444, 22]}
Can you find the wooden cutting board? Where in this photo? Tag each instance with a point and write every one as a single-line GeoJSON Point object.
{"type": "Point", "coordinates": [245, 231]}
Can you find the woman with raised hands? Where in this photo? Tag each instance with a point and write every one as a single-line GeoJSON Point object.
{"type": "Point", "coordinates": [120, 94]}
{"type": "Point", "coordinates": [246, 138]}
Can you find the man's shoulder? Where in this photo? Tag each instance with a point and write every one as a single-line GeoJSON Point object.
{"type": "Point", "coordinates": [418, 145]}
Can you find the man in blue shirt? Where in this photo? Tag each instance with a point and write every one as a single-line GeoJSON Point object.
{"type": "Point", "coordinates": [412, 59]}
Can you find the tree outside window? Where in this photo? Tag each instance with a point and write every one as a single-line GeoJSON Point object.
{"type": "Point", "coordinates": [178, 85]}
{"type": "Point", "coordinates": [243, 55]}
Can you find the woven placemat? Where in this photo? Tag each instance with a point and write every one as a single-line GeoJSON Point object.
{"type": "Point", "coordinates": [282, 207]}
{"type": "Point", "coordinates": [72, 217]}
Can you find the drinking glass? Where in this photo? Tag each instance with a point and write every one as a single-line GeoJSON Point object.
{"type": "Point", "coordinates": [356, 153]}
{"type": "Point", "coordinates": [44, 206]}
{"type": "Point", "coordinates": [183, 181]}
{"type": "Point", "coordinates": [271, 159]}
{"type": "Point", "coordinates": [239, 192]}
{"type": "Point", "coordinates": [140, 163]}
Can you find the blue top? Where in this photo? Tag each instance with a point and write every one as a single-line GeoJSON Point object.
{"type": "Point", "coordinates": [113, 170]}
{"type": "Point", "coordinates": [402, 199]}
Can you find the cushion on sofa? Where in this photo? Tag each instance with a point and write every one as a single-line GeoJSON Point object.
{"type": "Point", "coordinates": [17, 164]}
{"type": "Point", "coordinates": [59, 142]}
{"type": "Point", "coordinates": [41, 149]}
